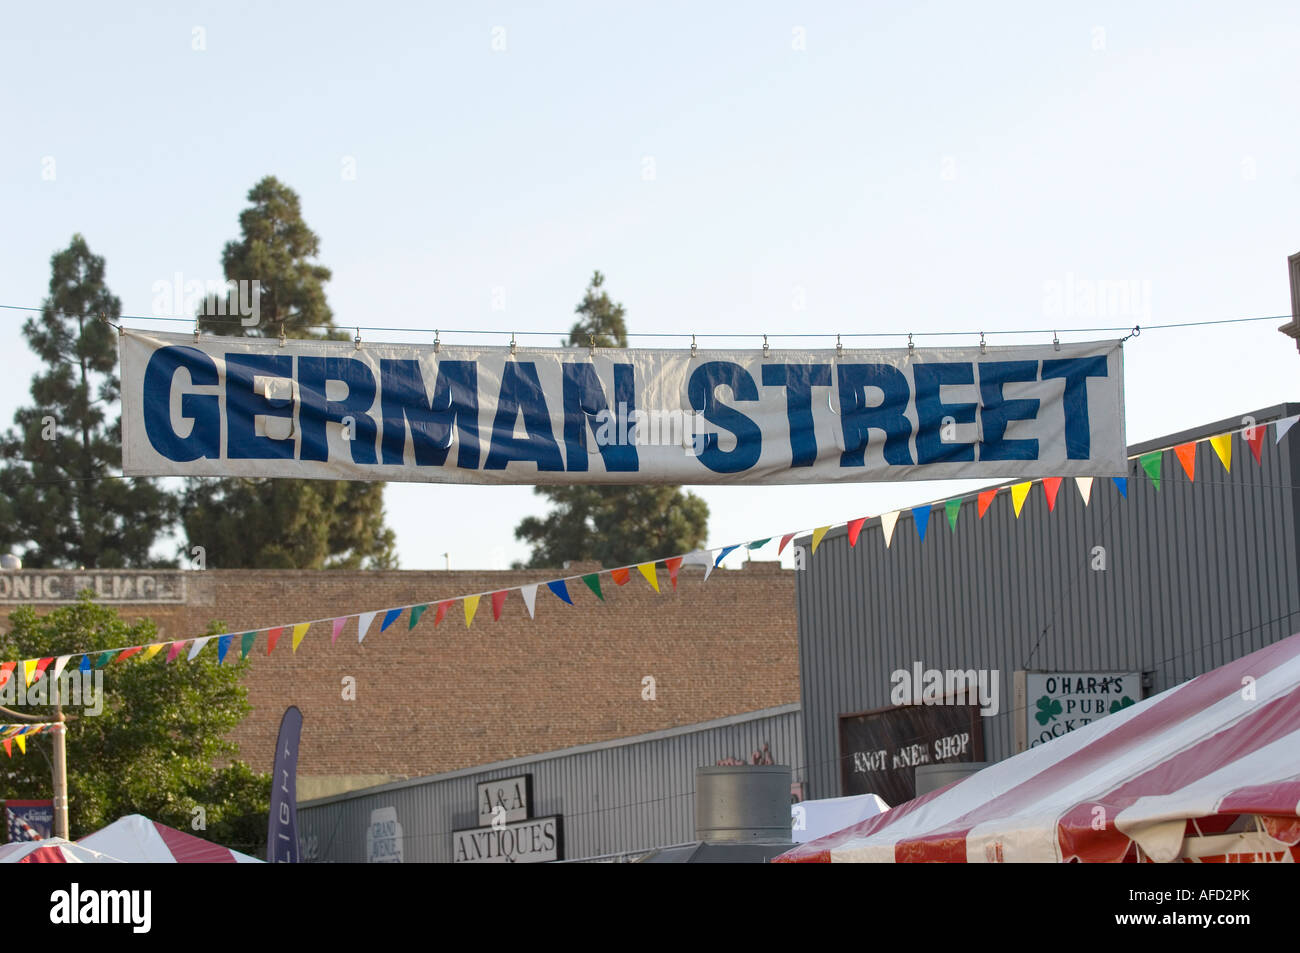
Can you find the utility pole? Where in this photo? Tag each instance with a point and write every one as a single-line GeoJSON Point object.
{"type": "Point", "coordinates": [60, 774]}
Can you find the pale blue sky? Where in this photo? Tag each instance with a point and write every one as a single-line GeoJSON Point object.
{"type": "Point", "coordinates": [918, 166]}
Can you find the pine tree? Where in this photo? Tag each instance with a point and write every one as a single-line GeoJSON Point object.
{"type": "Point", "coordinates": [61, 504]}
{"type": "Point", "coordinates": [612, 525]}
{"type": "Point", "coordinates": [282, 523]}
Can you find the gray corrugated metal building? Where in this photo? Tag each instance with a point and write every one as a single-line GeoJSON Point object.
{"type": "Point", "coordinates": [614, 797]}
{"type": "Point", "coordinates": [1196, 574]}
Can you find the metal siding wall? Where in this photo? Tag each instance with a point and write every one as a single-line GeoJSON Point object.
{"type": "Point", "coordinates": [613, 799]}
{"type": "Point", "coordinates": [1198, 574]}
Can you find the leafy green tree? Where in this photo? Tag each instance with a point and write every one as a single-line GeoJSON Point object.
{"type": "Point", "coordinates": [61, 505]}
{"type": "Point", "coordinates": [158, 747]}
{"type": "Point", "coordinates": [282, 523]}
{"type": "Point", "coordinates": [613, 525]}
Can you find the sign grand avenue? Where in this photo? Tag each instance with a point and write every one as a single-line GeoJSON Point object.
{"type": "Point", "coordinates": [53, 586]}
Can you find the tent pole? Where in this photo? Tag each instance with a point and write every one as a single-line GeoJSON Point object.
{"type": "Point", "coordinates": [60, 776]}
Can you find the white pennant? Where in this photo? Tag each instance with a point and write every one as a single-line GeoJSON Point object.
{"type": "Point", "coordinates": [363, 623]}
{"type": "Point", "coordinates": [197, 647]}
{"type": "Point", "coordinates": [530, 598]}
{"type": "Point", "coordinates": [701, 557]}
{"type": "Point", "coordinates": [1283, 425]}
{"type": "Point", "coordinates": [58, 666]}
{"type": "Point", "coordinates": [1085, 488]}
{"type": "Point", "coordinates": [887, 521]}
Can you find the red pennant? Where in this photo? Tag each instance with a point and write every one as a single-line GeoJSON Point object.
{"type": "Point", "coordinates": [5, 669]}
{"type": "Point", "coordinates": [442, 610]}
{"type": "Point", "coordinates": [127, 653]}
{"type": "Point", "coordinates": [1186, 453]}
{"type": "Point", "coordinates": [620, 576]}
{"type": "Point", "coordinates": [175, 650]}
{"type": "Point", "coordinates": [273, 636]}
{"type": "Point", "coordinates": [1256, 440]}
{"type": "Point", "coordinates": [673, 564]}
{"type": "Point", "coordinates": [855, 527]}
{"type": "Point", "coordinates": [9, 750]}
{"type": "Point", "coordinates": [41, 666]}
{"type": "Point", "coordinates": [985, 499]}
{"type": "Point", "coordinates": [498, 601]}
{"type": "Point", "coordinates": [1051, 486]}
{"type": "Point", "coordinates": [785, 541]}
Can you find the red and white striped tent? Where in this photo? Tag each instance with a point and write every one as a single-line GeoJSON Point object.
{"type": "Point", "coordinates": [137, 840]}
{"type": "Point", "coordinates": [1208, 770]}
{"type": "Point", "coordinates": [52, 850]}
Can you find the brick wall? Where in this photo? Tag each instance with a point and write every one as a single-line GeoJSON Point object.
{"type": "Point", "coordinates": [440, 698]}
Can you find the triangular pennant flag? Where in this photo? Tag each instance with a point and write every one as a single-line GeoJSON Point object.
{"type": "Point", "coordinates": [153, 650]}
{"type": "Point", "coordinates": [673, 564]}
{"type": "Point", "coordinates": [223, 644]}
{"type": "Point", "coordinates": [246, 643]}
{"type": "Point", "coordinates": [561, 590]}
{"type": "Point", "coordinates": [727, 551]}
{"type": "Point", "coordinates": [855, 527]}
{"type": "Point", "coordinates": [22, 743]}
{"type": "Point", "coordinates": [1019, 493]}
{"type": "Point", "coordinates": [104, 658]}
{"type": "Point", "coordinates": [1283, 425]}
{"type": "Point", "coordinates": [84, 666]}
{"type": "Point", "coordinates": [887, 523]}
{"type": "Point", "coordinates": [416, 612]}
{"type": "Point", "coordinates": [652, 577]}
{"type": "Point", "coordinates": [272, 637]}
{"type": "Point", "coordinates": [175, 650]}
{"type": "Point", "coordinates": [529, 595]}
{"type": "Point", "coordinates": [1255, 440]}
{"type": "Point", "coordinates": [592, 579]}
{"type": "Point", "coordinates": [338, 628]}
{"type": "Point", "coordinates": [1085, 488]}
{"type": "Point", "coordinates": [440, 613]}
{"type": "Point", "coordinates": [498, 602]}
{"type": "Point", "coordinates": [389, 618]}
{"type": "Point", "coordinates": [817, 536]}
{"type": "Point", "coordinates": [759, 543]}
{"type": "Point", "coordinates": [953, 509]}
{"type": "Point", "coordinates": [1151, 464]}
{"type": "Point", "coordinates": [1121, 484]}
{"type": "Point", "coordinates": [701, 557]}
{"type": "Point", "coordinates": [620, 576]}
{"type": "Point", "coordinates": [197, 647]}
{"type": "Point", "coordinates": [1186, 454]}
{"type": "Point", "coordinates": [5, 669]}
{"type": "Point", "coordinates": [985, 501]}
{"type": "Point", "coordinates": [471, 607]}
{"type": "Point", "coordinates": [29, 669]}
{"type": "Point", "coordinates": [299, 631]}
{"type": "Point", "coordinates": [1051, 486]}
{"type": "Point", "coordinates": [785, 541]}
{"type": "Point", "coordinates": [9, 747]}
{"type": "Point", "coordinates": [921, 517]}
{"type": "Point", "coordinates": [363, 623]}
{"type": "Point", "coordinates": [127, 653]}
{"type": "Point", "coordinates": [58, 666]}
{"type": "Point", "coordinates": [42, 665]}
{"type": "Point", "coordinates": [1222, 445]}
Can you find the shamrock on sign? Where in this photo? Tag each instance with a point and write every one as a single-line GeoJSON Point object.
{"type": "Point", "coordinates": [1048, 709]}
{"type": "Point", "coordinates": [1121, 703]}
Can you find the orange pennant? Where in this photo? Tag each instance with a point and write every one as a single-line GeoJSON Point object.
{"type": "Point", "coordinates": [1051, 485]}
{"type": "Point", "coordinates": [1186, 453]}
{"type": "Point", "coordinates": [986, 500]}
{"type": "Point", "coordinates": [620, 576]}
{"type": "Point", "coordinates": [673, 564]}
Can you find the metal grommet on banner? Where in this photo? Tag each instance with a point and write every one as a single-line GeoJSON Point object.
{"type": "Point", "coordinates": [911, 348]}
{"type": "Point", "coordinates": [692, 345]}
{"type": "Point", "coordinates": [591, 343]}
{"type": "Point", "coordinates": [281, 334]}
{"type": "Point", "coordinates": [437, 342]}
{"type": "Point", "coordinates": [839, 348]}
{"type": "Point", "coordinates": [196, 331]}
{"type": "Point", "coordinates": [1137, 331]}
{"type": "Point", "coordinates": [1056, 342]}
{"type": "Point", "coordinates": [983, 346]}
{"type": "Point", "coordinates": [766, 351]}
{"type": "Point", "coordinates": [356, 341]}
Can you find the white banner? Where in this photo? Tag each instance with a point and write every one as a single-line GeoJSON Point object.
{"type": "Point", "coordinates": [332, 411]}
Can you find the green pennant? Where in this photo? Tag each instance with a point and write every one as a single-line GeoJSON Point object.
{"type": "Point", "coordinates": [1151, 464]}
{"type": "Point", "coordinates": [104, 659]}
{"type": "Point", "coordinates": [246, 643]}
{"type": "Point", "coordinates": [592, 580]}
{"type": "Point", "coordinates": [416, 612]}
{"type": "Point", "coordinates": [759, 543]}
{"type": "Point", "coordinates": [953, 509]}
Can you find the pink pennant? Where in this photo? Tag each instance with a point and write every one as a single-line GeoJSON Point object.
{"type": "Point", "coordinates": [338, 627]}
{"type": "Point", "coordinates": [175, 650]}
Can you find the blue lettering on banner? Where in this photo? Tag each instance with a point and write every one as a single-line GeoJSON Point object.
{"type": "Point", "coordinates": [1076, 371]}
{"type": "Point", "coordinates": [930, 411]}
{"type": "Point", "coordinates": [705, 381]}
{"type": "Point", "coordinates": [316, 410]}
{"type": "Point", "coordinates": [998, 411]}
{"type": "Point", "coordinates": [799, 380]}
{"type": "Point", "coordinates": [858, 419]}
{"type": "Point", "coordinates": [584, 403]}
{"type": "Point", "coordinates": [521, 393]}
{"type": "Point", "coordinates": [203, 410]}
{"type": "Point", "coordinates": [244, 404]}
{"type": "Point", "coordinates": [454, 404]}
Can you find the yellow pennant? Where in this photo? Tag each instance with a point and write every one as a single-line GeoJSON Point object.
{"type": "Point", "coordinates": [652, 577]}
{"type": "Point", "coordinates": [1222, 445]}
{"type": "Point", "coordinates": [29, 668]}
{"type": "Point", "coordinates": [299, 631]}
{"type": "Point", "coordinates": [151, 650]}
{"type": "Point", "coordinates": [1019, 493]}
{"type": "Point", "coordinates": [22, 743]}
{"type": "Point", "coordinates": [818, 533]}
{"type": "Point", "coordinates": [471, 606]}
